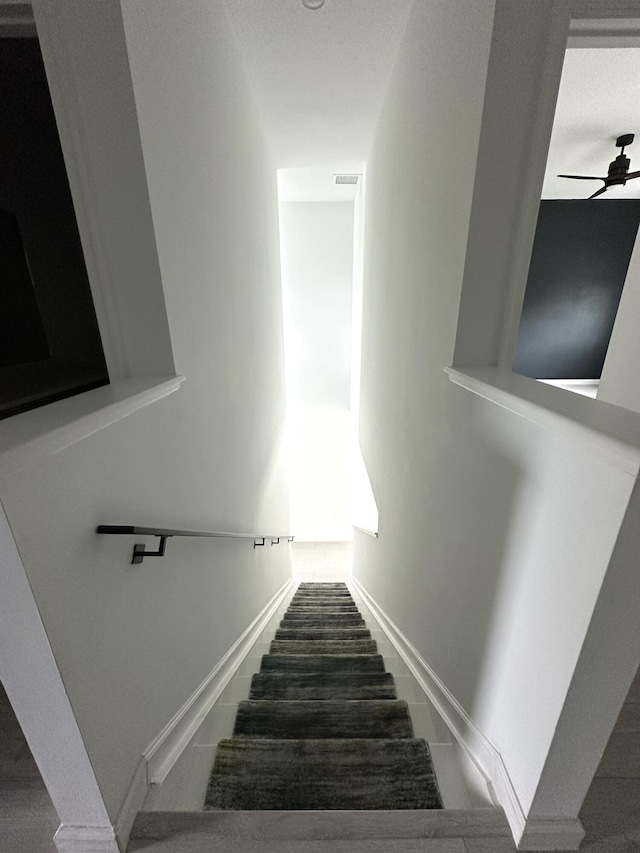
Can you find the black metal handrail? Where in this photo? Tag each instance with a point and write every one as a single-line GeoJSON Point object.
{"type": "Point", "coordinates": [163, 533]}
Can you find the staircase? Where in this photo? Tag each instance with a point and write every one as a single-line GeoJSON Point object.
{"type": "Point", "coordinates": [323, 727]}
{"type": "Point", "coordinates": [322, 757]}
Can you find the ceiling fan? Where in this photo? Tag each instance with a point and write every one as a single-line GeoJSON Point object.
{"type": "Point", "coordinates": [618, 169]}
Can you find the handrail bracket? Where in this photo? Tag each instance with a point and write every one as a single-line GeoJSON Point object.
{"type": "Point", "coordinates": [140, 551]}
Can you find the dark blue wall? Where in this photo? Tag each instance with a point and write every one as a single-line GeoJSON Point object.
{"type": "Point", "coordinates": [578, 267]}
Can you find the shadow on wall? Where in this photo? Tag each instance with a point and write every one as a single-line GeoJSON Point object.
{"type": "Point", "coordinates": [477, 487]}
{"type": "Point", "coordinates": [437, 566]}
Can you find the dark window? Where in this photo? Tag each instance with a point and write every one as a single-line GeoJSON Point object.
{"type": "Point", "coordinates": [49, 340]}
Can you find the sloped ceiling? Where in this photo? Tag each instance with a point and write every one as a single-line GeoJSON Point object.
{"type": "Point", "coordinates": [319, 78]}
{"type": "Point", "coordinates": [599, 100]}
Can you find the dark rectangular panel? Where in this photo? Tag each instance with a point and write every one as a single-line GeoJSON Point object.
{"type": "Point", "coordinates": [51, 345]}
{"type": "Point", "coordinates": [579, 263]}
{"type": "Point", "coordinates": [22, 336]}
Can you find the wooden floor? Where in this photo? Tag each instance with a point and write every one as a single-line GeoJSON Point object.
{"type": "Point", "coordinates": [28, 819]}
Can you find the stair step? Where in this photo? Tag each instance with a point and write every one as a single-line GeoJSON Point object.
{"type": "Point", "coordinates": [314, 596]}
{"type": "Point", "coordinates": [322, 774]}
{"type": "Point", "coordinates": [312, 585]}
{"type": "Point", "coordinates": [325, 593]}
{"type": "Point", "coordinates": [322, 608]}
{"type": "Point", "coordinates": [223, 829]}
{"type": "Point", "coordinates": [323, 686]}
{"type": "Point", "coordinates": [304, 632]}
{"type": "Point", "coordinates": [322, 663]}
{"type": "Point", "coordinates": [343, 601]}
{"type": "Point", "coordinates": [323, 613]}
{"type": "Point", "coordinates": [370, 718]}
{"type": "Point", "coordinates": [292, 621]}
{"type": "Point", "coordinates": [323, 647]}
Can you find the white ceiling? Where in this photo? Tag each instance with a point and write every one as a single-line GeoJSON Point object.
{"type": "Point", "coordinates": [319, 78]}
{"type": "Point", "coordinates": [599, 100]}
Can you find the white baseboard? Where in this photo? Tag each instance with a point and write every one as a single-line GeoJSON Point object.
{"type": "Point", "coordinates": [166, 748]}
{"type": "Point", "coordinates": [163, 752]}
{"type": "Point", "coordinates": [85, 839]}
{"type": "Point", "coordinates": [560, 834]}
{"type": "Point", "coordinates": [133, 802]}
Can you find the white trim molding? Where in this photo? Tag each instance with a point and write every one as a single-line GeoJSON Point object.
{"type": "Point", "coordinates": [373, 533]}
{"type": "Point", "coordinates": [25, 439]}
{"type": "Point", "coordinates": [86, 839]}
{"type": "Point", "coordinates": [166, 748]}
{"type": "Point", "coordinates": [601, 428]}
{"type": "Point", "coordinates": [556, 834]}
{"type": "Point", "coordinates": [132, 804]}
{"type": "Point", "coordinates": [53, 737]}
{"type": "Point", "coordinates": [560, 834]}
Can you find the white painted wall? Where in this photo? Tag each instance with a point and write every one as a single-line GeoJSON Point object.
{"type": "Point", "coordinates": [620, 380]}
{"type": "Point", "coordinates": [317, 274]}
{"type": "Point", "coordinates": [496, 533]}
{"type": "Point", "coordinates": [133, 643]}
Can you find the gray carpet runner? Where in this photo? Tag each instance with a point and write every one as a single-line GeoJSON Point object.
{"type": "Point", "coordinates": [323, 727]}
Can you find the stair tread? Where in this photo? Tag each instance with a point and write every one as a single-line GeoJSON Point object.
{"type": "Point", "coordinates": [351, 718]}
{"type": "Point", "coordinates": [324, 632]}
{"type": "Point", "coordinates": [323, 602]}
{"type": "Point", "coordinates": [311, 598]}
{"type": "Point", "coordinates": [322, 773]}
{"type": "Point", "coordinates": [320, 607]}
{"type": "Point", "coordinates": [322, 663]}
{"type": "Point", "coordinates": [322, 620]}
{"type": "Point", "coordinates": [321, 686]}
{"type": "Point", "coordinates": [336, 594]}
{"type": "Point", "coordinates": [327, 647]}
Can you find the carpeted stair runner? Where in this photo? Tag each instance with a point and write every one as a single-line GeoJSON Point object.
{"type": "Point", "coordinates": [323, 727]}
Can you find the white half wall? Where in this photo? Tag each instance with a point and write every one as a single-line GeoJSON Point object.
{"type": "Point", "coordinates": [133, 643]}
{"type": "Point", "coordinates": [620, 380]}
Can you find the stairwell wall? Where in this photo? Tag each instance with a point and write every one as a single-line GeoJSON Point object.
{"type": "Point", "coordinates": [495, 533]}
{"type": "Point", "coordinates": [133, 643]}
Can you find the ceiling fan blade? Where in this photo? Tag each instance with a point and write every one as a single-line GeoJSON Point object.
{"type": "Point", "coordinates": [598, 192]}
{"type": "Point", "coordinates": [582, 177]}
{"type": "Point", "coordinates": [633, 175]}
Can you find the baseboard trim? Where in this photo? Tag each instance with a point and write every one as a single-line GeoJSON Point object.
{"type": "Point", "coordinates": [562, 834]}
{"type": "Point", "coordinates": [163, 752]}
{"type": "Point", "coordinates": [85, 839]}
{"type": "Point", "coordinates": [133, 802]}
{"type": "Point", "coordinates": [166, 748]}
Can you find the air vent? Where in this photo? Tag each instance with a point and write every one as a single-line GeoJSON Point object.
{"type": "Point", "coordinates": [346, 179]}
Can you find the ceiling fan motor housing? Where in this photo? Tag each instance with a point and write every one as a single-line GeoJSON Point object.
{"type": "Point", "coordinates": [618, 170]}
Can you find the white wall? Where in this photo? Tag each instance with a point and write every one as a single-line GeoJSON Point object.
{"type": "Point", "coordinates": [620, 380]}
{"type": "Point", "coordinates": [496, 533]}
{"type": "Point", "coordinates": [317, 274]}
{"type": "Point", "coordinates": [133, 643]}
